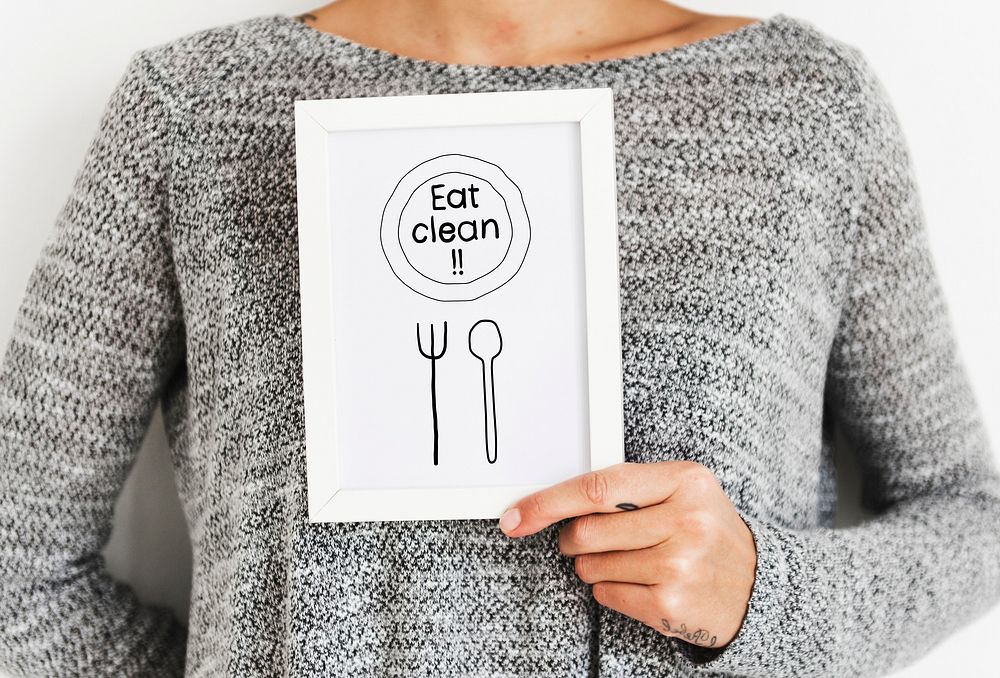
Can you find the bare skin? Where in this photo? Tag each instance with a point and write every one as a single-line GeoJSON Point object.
{"type": "Point", "coordinates": [661, 543]}
{"type": "Point", "coordinates": [518, 32]}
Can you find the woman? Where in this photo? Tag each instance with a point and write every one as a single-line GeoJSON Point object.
{"type": "Point", "coordinates": [776, 282]}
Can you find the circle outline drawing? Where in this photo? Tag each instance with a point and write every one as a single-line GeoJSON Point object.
{"type": "Point", "coordinates": [500, 275]}
{"type": "Point", "coordinates": [399, 228]}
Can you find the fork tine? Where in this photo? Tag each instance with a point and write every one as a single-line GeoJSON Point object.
{"type": "Point", "coordinates": [420, 345]}
{"type": "Point", "coordinates": [432, 354]}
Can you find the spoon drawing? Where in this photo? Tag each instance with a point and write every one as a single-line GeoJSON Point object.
{"type": "Point", "coordinates": [485, 343]}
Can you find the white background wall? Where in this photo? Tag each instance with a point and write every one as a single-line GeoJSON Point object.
{"type": "Point", "coordinates": [59, 62]}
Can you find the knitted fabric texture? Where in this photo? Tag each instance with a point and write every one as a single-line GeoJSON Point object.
{"type": "Point", "coordinates": [776, 285]}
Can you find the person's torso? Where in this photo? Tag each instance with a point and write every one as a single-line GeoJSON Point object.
{"type": "Point", "coordinates": [734, 174]}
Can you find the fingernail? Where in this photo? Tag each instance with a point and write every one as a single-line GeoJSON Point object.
{"type": "Point", "coordinates": [510, 519]}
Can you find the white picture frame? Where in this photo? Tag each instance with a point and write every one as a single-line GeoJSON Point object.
{"type": "Point", "coordinates": [590, 110]}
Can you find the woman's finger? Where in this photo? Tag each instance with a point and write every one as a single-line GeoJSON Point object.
{"type": "Point", "coordinates": [645, 566]}
{"type": "Point", "coordinates": [632, 600]}
{"type": "Point", "coordinates": [599, 491]}
{"type": "Point", "coordinates": [625, 531]}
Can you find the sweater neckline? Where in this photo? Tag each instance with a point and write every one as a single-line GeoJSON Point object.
{"type": "Point", "coordinates": [387, 58]}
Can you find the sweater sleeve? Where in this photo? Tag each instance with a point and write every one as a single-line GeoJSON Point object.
{"type": "Point", "coordinates": [872, 598]}
{"type": "Point", "coordinates": [97, 333]}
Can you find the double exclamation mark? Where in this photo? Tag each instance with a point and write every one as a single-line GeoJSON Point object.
{"type": "Point", "coordinates": [456, 262]}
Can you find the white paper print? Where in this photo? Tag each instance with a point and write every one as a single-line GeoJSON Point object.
{"type": "Point", "coordinates": [459, 307]}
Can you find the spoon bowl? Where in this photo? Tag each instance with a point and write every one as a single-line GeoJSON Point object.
{"type": "Point", "coordinates": [485, 341]}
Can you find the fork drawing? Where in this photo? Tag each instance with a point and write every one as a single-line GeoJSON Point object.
{"type": "Point", "coordinates": [433, 357]}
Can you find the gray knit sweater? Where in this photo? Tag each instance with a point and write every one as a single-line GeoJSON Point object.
{"type": "Point", "coordinates": [776, 283]}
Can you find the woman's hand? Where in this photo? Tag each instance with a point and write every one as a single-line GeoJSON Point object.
{"type": "Point", "coordinates": [660, 542]}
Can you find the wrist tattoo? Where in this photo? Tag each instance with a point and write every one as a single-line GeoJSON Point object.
{"type": "Point", "coordinates": [305, 18]}
{"type": "Point", "coordinates": [699, 637]}
{"type": "Point", "coordinates": [626, 506]}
